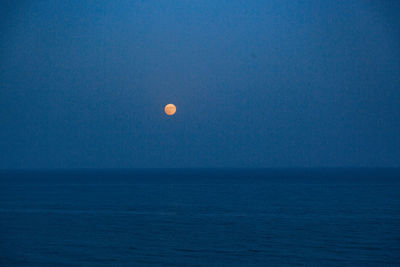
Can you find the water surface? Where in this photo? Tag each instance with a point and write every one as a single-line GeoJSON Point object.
{"type": "Point", "coordinates": [333, 217]}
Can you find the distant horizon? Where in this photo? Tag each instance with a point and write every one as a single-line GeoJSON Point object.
{"type": "Point", "coordinates": [202, 168]}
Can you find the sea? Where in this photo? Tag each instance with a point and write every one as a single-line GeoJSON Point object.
{"type": "Point", "coordinates": [200, 217]}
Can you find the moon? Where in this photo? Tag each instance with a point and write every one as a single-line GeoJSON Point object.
{"type": "Point", "coordinates": [170, 109]}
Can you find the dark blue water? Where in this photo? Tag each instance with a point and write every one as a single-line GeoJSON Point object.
{"type": "Point", "coordinates": [200, 217]}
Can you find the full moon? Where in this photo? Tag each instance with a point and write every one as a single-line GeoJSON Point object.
{"type": "Point", "coordinates": [170, 109]}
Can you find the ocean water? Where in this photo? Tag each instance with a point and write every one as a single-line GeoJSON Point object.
{"type": "Point", "coordinates": [320, 217]}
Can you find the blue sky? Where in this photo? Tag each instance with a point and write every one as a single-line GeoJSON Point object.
{"type": "Point", "coordinates": [256, 84]}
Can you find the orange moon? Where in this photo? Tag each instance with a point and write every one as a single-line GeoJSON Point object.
{"type": "Point", "coordinates": [170, 109]}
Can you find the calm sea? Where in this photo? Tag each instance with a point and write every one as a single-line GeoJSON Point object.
{"type": "Point", "coordinates": [331, 217]}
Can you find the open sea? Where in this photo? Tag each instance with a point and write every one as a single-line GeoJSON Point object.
{"type": "Point", "coordinates": [204, 217]}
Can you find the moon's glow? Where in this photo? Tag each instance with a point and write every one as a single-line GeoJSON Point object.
{"type": "Point", "coordinates": [170, 109]}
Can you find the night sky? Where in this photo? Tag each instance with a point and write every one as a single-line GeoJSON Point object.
{"type": "Point", "coordinates": [256, 84]}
